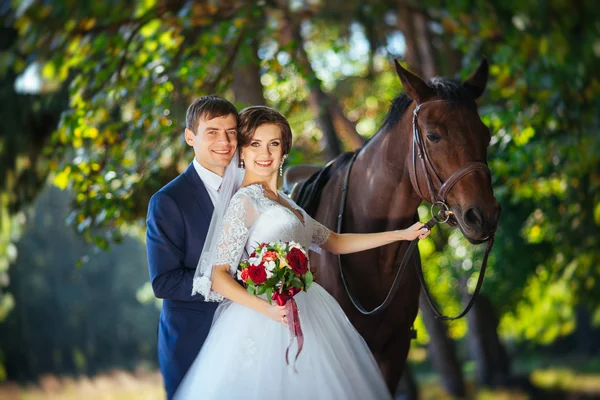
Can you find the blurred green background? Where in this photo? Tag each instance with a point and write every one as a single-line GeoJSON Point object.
{"type": "Point", "coordinates": [93, 98]}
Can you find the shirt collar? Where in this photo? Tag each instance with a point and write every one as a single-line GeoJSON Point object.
{"type": "Point", "coordinates": [208, 177]}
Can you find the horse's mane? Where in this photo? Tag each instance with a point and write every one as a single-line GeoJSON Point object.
{"type": "Point", "coordinates": [447, 88]}
{"type": "Point", "coordinates": [309, 194]}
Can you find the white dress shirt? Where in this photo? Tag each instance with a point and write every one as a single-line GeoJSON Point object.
{"type": "Point", "coordinates": [212, 181]}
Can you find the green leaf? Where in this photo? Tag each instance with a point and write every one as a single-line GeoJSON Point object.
{"type": "Point", "coordinates": [269, 293]}
{"type": "Point", "coordinates": [308, 279]}
{"type": "Point", "coordinates": [295, 282]}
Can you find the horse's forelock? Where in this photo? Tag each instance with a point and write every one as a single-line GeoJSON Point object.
{"type": "Point", "coordinates": [446, 88]}
{"type": "Point", "coordinates": [452, 90]}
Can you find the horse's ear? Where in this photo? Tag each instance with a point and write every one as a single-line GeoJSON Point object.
{"type": "Point", "coordinates": [414, 86]}
{"type": "Point", "coordinates": [477, 81]}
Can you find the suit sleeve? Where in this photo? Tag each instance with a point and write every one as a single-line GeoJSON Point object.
{"type": "Point", "coordinates": [165, 245]}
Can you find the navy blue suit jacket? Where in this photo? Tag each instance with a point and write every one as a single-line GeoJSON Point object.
{"type": "Point", "coordinates": [178, 219]}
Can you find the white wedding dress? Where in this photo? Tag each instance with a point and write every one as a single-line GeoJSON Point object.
{"type": "Point", "coordinates": [243, 356]}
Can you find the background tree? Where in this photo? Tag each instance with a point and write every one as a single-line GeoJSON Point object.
{"type": "Point", "coordinates": [106, 119]}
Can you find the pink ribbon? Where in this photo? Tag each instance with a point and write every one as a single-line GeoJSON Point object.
{"type": "Point", "coordinates": [295, 330]}
{"type": "Point", "coordinates": [291, 310]}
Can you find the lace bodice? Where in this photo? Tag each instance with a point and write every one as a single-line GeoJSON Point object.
{"type": "Point", "coordinates": [251, 219]}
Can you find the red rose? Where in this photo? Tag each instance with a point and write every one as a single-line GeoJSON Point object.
{"type": "Point", "coordinates": [298, 261]}
{"type": "Point", "coordinates": [244, 274]}
{"type": "Point", "coordinates": [270, 256]}
{"type": "Point", "coordinates": [257, 273]}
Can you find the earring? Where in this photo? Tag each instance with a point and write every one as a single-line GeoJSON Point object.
{"type": "Point", "coordinates": [242, 165]}
{"type": "Point", "coordinates": [281, 165]}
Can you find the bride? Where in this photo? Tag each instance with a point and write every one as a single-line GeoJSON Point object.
{"type": "Point", "coordinates": [244, 354]}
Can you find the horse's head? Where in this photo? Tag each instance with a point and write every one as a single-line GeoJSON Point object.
{"type": "Point", "coordinates": [450, 147]}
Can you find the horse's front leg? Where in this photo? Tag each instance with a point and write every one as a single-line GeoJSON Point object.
{"type": "Point", "coordinates": [392, 358]}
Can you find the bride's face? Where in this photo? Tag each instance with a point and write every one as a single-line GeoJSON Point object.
{"type": "Point", "coordinates": [263, 154]}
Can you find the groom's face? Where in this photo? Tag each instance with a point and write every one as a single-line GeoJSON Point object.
{"type": "Point", "coordinates": [214, 142]}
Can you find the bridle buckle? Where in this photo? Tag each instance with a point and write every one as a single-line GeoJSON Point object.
{"type": "Point", "coordinates": [444, 213]}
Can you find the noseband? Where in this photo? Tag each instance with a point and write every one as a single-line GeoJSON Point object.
{"type": "Point", "coordinates": [419, 151]}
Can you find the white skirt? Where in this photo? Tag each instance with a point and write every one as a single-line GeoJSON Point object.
{"type": "Point", "coordinates": [244, 357]}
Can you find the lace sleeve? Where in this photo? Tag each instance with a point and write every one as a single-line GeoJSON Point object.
{"type": "Point", "coordinates": [238, 219]}
{"type": "Point", "coordinates": [320, 233]}
{"type": "Point", "coordinates": [236, 225]}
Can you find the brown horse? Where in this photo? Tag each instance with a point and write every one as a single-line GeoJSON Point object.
{"type": "Point", "coordinates": [382, 197]}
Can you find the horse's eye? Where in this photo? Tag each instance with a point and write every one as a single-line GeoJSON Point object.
{"type": "Point", "coordinates": [434, 137]}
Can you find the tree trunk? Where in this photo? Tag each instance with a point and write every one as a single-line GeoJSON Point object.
{"type": "Point", "coordinates": [420, 53]}
{"type": "Point", "coordinates": [319, 102]}
{"type": "Point", "coordinates": [491, 359]}
{"type": "Point", "coordinates": [246, 85]}
{"type": "Point", "coordinates": [345, 128]}
{"type": "Point", "coordinates": [426, 50]}
{"type": "Point", "coordinates": [451, 62]}
{"type": "Point", "coordinates": [585, 334]}
{"type": "Point", "coordinates": [405, 18]}
{"type": "Point", "coordinates": [442, 351]}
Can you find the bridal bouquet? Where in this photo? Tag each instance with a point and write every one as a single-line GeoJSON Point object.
{"type": "Point", "coordinates": [277, 269]}
{"type": "Point", "coordinates": [280, 271]}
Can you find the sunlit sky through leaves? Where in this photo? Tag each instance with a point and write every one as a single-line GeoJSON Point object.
{"type": "Point", "coordinates": [329, 65]}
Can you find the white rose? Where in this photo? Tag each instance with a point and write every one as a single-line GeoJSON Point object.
{"type": "Point", "coordinates": [269, 274]}
{"type": "Point", "coordinates": [254, 260]}
{"type": "Point", "coordinates": [270, 265]}
{"type": "Point", "coordinates": [294, 245]}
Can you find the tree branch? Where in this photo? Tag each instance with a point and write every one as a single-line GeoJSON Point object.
{"type": "Point", "coordinates": [211, 85]}
{"type": "Point", "coordinates": [155, 12]}
{"type": "Point", "coordinates": [126, 51]}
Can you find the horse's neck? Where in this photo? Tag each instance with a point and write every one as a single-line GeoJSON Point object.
{"type": "Point", "coordinates": [381, 182]}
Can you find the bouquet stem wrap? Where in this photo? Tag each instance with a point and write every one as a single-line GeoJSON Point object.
{"type": "Point", "coordinates": [291, 308]}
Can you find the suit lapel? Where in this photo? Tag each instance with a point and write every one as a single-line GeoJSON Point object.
{"type": "Point", "coordinates": [199, 191]}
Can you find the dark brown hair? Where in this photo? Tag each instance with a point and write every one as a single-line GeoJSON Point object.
{"type": "Point", "coordinates": [208, 107]}
{"type": "Point", "coordinates": [252, 117]}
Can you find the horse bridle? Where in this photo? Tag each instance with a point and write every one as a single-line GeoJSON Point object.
{"type": "Point", "coordinates": [419, 151]}
{"type": "Point", "coordinates": [439, 199]}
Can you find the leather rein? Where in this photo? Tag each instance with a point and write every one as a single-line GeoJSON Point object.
{"type": "Point", "coordinates": [438, 198]}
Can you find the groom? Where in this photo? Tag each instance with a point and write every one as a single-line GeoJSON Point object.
{"type": "Point", "coordinates": [179, 215]}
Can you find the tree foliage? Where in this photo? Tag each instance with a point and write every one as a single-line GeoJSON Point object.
{"type": "Point", "coordinates": [131, 68]}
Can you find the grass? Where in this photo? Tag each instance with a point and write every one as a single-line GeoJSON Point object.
{"type": "Point", "coordinates": [571, 375]}
{"type": "Point", "coordinates": [115, 385]}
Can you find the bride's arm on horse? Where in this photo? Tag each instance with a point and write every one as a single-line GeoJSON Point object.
{"type": "Point", "coordinates": [345, 243]}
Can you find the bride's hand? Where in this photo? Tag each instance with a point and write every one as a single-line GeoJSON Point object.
{"type": "Point", "coordinates": [417, 230]}
{"type": "Point", "coordinates": [276, 313]}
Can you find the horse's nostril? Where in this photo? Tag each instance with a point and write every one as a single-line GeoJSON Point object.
{"type": "Point", "coordinates": [473, 217]}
